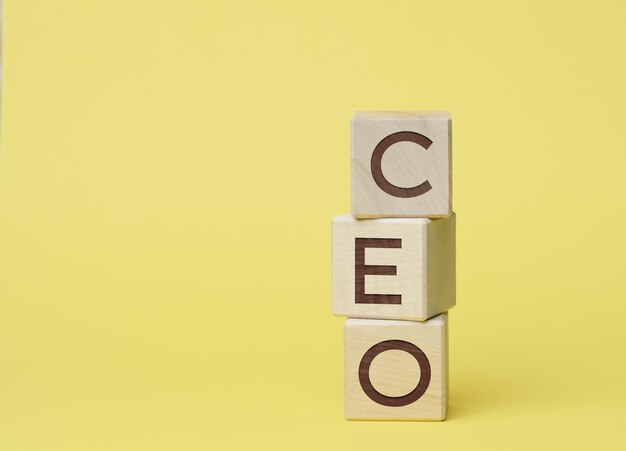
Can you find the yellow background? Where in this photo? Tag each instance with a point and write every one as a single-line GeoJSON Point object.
{"type": "Point", "coordinates": [168, 174]}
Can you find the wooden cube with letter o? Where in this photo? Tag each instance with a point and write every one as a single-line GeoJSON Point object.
{"type": "Point", "coordinates": [396, 370]}
{"type": "Point", "coordinates": [393, 268]}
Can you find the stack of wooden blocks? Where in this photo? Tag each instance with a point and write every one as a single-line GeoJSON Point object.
{"type": "Point", "coordinates": [393, 265]}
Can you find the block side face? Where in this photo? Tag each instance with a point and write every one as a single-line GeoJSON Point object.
{"type": "Point", "coordinates": [405, 162]}
{"type": "Point", "coordinates": [389, 370]}
{"type": "Point", "coordinates": [450, 177]}
{"type": "Point", "coordinates": [441, 266]}
{"type": "Point", "coordinates": [385, 282]}
{"type": "Point", "coordinates": [445, 362]}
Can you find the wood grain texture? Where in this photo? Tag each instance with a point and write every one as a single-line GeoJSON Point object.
{"type": "Point", "coordinates": [401, 164]}
{"type": "Point", "coordinates": [396, 370]}
{"type": "Point", "coordinates": [393, 268]}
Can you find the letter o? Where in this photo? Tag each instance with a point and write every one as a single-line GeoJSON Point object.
{"type": "Point", "coordinates": [394, 401]}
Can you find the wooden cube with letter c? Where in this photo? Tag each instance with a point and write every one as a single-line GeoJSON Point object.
{"type": "Point", "coordinates": [401, 164]}
{"type": "Point", "coordinates": [396, 370]}
{"type": "Point", "coordinates": [393, 268]}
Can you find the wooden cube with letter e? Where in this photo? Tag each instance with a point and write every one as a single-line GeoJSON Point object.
{"type": "Point", "coordinates": [393, 268]}
{"type": "Point", "coordinates": [396, 370]}
{"type": "Point", "coordinates": [401, 164]}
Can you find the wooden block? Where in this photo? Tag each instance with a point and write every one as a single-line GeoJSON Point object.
{"type": "Point", "coordinates": [393, 268]}
{"type": "Point", "coordinates": [396, 370]}
{"type": "Point", "coordinates": [401, 164]}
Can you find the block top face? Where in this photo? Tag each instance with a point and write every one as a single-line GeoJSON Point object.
{"type": "Point", "coordinates": [401, 164]}
{"type": "Point", "coordinates": [394, 115]}
{"type": "Point", "coordinates": [406, 220]}
{"type": "Point", "coordinates": [437, 321]}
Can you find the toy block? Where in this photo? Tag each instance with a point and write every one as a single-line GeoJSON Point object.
{"type": "Point", "coordinates": [393, 268]}
{"type": "Point", "coordinates": [396, 370]}
{"type": "Point", "coordinates": [401, 164]}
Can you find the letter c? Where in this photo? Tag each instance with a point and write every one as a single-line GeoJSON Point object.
{"type": "Point", "coordinates": [377, 158]}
